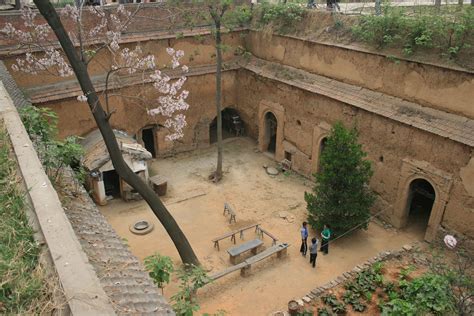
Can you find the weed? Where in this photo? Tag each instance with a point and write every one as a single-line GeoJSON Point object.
{"type": "Point", "coordinates": [23, 285]}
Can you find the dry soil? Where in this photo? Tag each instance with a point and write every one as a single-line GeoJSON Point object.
{"type": "Point", "coordinates": [197, 206]}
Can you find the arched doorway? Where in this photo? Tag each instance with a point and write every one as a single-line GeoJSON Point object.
{"type": "Point", "coordinates": [420, 200]}
{"type": "Point", "coordinates": [232, 125]}
{"type": "Point", "coordinates": [322, 146]}
{"type": "Point", "coordinates": [271, 125]}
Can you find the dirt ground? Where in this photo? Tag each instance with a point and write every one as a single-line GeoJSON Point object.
{"type": "Point", "coordinates": [197, 206]}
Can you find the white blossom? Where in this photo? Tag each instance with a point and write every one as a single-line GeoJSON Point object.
{"type": "Point", "coordinates": [106, 32]}
{"type": "Point", "coordinates": [82, 98]}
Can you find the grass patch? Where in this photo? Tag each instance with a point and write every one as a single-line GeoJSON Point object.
{"type": "Point", "coordinates": [24, 289]}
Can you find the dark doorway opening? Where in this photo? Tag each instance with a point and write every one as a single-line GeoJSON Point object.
{"type": "Point", "coordinates": [421, 198]}
{"type": "Point", "coordinates": [111, 183]}
{"type": "Point", "coordinates": [148, 138]}
{"type": "Point", "coordinates": [271, 131]}
{"type": "Point", "coordinates": [231, 125]}
{"type": "Point", "coordinates": [322, 146]}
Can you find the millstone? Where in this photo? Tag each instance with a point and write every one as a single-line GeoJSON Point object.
{"type": "Point", "coordinates": [272, 171]}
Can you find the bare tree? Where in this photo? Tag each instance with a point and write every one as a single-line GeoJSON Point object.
{"type": "Point", "coordinates": [217, 9]}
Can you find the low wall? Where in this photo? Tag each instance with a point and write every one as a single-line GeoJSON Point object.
{"type": "Point", "coordinates": [443, 88]}
{"type": "Point", "coordinates": [81, 286]}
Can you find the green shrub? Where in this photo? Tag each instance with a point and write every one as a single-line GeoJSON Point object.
{"type": "Point", "coordinates": [281, 15]}
{"type": "Point", "coordinates": [41, 125]}
{"type": "Point", "coordinates": [381, 30]}
{"type": "Point", "coordinates": [341, 196]}
{"type": "Point", "coordinates": [191, 279]}
{"type": "Point", "coordinates": [160, 268]}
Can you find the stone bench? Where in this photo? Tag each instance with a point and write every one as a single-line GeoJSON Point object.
{"type": "Point", "coordinates": [245, 266]}
{"type": "Point", "coordinates": [236, 251]}
{"type": "Point", "coordinates": [233, 233]}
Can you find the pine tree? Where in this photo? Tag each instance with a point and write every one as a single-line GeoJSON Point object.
{"type": "Point", "coordinates": [341, 196]}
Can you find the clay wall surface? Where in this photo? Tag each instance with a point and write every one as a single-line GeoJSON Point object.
{"type": "Point", "coordinates": [442, 88]}
{"type": "Point", "coordinates": [147, 17]}
{"type": "Point", "coordinates": [198, 51]}
{"type": "Point", "coordinates": [75, 117]}
{"type": "Point", "coordinates": [387, 143]}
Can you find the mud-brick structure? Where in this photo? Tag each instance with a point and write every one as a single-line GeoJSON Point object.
{"type": "Point", "coordinates": [102, 179]}
{"type": "Point", "coordinates": [415, 119]}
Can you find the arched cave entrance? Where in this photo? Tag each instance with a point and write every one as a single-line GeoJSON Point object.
{"type": "Point", "coordinates": [421, 197]}
{"type": "Point", "coordinates": [148, 139]}
{"type": "Point", "coordinates": [232, 125]}
{"type": "Point", "coordinates": [271, 125]}
{"type": "Point", "coordinates": [322, 146]}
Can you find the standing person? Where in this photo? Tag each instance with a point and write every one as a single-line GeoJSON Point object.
{"type": "Point", "coordinates": [304, 239]}
{"type": "Point", "coordinates": [313, 251]}
{"type": "Point", "coordinates": [325, 235]}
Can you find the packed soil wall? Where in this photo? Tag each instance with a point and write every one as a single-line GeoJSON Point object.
{"type": "Point", "coordinates": [439, 87]}
{"type": "Point", "coordinates": [198, 51]}
{"type": "Point", "coordinates": [75, 117]}
{"type": "Point", "coordinates": [308, 116]}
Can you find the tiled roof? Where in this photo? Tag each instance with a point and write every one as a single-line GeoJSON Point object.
{"type": "Point", "coordinates": [121, 275]}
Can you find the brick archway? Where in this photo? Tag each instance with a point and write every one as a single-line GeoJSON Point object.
{"type": "Point", "coordinates": [279, 112]}
{"type": "Point", "coordinates": [438, 179]}
{"type": "Point", "coordinates": [320, 132]}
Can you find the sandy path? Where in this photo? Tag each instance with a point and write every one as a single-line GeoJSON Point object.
{"type": "Point", "coordinates": [197, 206]}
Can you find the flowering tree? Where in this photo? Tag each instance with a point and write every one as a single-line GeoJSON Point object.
{"type": "Point", "coordinates": [44, 55]}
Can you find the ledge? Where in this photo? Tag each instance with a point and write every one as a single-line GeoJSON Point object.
{"type": "Point", "coordinates": [71, 88]}
{"type": "Point", "coordinates": [451, 126]}
{"type": "Point", "coordinates": [81, 286]}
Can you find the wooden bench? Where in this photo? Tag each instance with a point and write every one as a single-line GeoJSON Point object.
{"type": "Point", "coordinates": [245, 266]}
{"type": "Point", "coordinates": [236, 251]}
{"type": "Point", "coordinates": [230, 211]}
{"type": "Point", "coordinates": [262, 231]}
{"type": "Point", "coordinates": [233, 233]}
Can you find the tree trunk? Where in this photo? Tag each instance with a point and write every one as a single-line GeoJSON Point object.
{"type": "Point", "coordinates": [218, 174]}
{"type": "Point", "coordinates": [80, 69]}
{"type": "Point", "coordinates": [378, 7]}
{"type": "Point", "coordinates": [438, 4]}
{"type": "Point", "coordinates": [17, 4]}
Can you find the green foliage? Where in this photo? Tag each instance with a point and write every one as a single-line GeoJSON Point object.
{"type": "Point", "coordinates": [405, 272]}
{"type": "Point", "coordinates": [283, 16]}
{"type": "Point", "coordinates": [449, 31]}
{"type": "Point", "coordinates": [428, 294]}
{"type": "Point", "coordinates": [41, 125]}
{"type": "Point", "coordinates": [160, 268]}
{"type": "Point", "coordinates": [329, 299]}
{"type": "Point", "coordinates": [381, 30]}
{"type": "Point", "coordinates": [323, 311]}
{"type": "Point", "coordinates": [22, 282]}
{"type": "Point", "coordinates": [341, 197]}
{"type": "Point", "coordinates": [458, 273]}
{"type": "Point", "coordinates": [191, 278]}
{"type": "Point", "coordinates": [239, 16]}
{"type": "Point", "coordinates": [399, 307]}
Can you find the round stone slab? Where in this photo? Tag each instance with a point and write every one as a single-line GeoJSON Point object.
{"type": "Point", "coordinates": [272, 171]}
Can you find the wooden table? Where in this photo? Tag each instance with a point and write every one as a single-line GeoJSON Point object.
{"type": "Point", "coordinates": [236, 251]}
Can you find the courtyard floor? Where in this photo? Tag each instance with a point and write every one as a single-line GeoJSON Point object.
{"type": "Point", "coordinates": [197, 206]}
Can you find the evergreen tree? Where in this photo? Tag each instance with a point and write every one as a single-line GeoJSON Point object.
{"type": "Point", "coordinates": [341, 196]}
